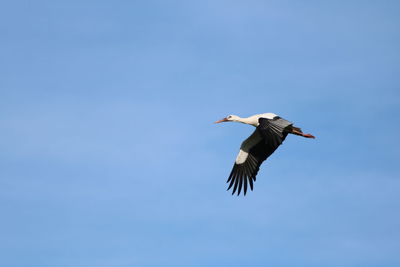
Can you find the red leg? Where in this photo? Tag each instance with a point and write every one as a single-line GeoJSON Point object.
{"type": "Point", "coordinates": [297, 132]}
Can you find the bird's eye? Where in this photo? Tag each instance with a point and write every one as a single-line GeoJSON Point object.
{"type": "Point", "coordinates": [229, 117]}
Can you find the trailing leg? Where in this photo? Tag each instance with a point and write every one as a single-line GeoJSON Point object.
{"type": "Point", "coordinates": [297, 131]}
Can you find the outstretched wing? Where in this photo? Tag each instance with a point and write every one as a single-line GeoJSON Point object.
{"type": "Point", "coordinates": [267, 137]}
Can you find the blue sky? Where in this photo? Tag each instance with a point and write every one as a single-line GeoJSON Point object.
{"type": "Point", "coordinates": [108, 154]}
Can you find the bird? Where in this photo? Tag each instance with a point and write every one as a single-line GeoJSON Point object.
{"type": "Point", "coordinates": [271, 130]}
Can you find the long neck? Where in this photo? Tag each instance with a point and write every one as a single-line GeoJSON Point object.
{"type": "Point", "coordinates": [250, 120]}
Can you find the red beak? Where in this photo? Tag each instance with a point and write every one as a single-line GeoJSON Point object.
{"type": "Point", "coordinates": [224, 119]}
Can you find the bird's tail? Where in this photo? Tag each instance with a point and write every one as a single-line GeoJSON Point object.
{"type": "Point", "coordinates": [297, 129]}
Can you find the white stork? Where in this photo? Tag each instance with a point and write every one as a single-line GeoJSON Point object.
{"type": "Point", "coordinates": [271, 131]}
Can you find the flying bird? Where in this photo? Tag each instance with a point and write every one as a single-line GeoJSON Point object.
{"type": "Point", "coordinates": [271, 131]}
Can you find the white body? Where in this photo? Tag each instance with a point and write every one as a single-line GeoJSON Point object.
{"type": "Point", "coordinates": [252, 120]}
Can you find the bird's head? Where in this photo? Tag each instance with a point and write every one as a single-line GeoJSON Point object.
{"type": "Point", "coordinates": [229, 118]}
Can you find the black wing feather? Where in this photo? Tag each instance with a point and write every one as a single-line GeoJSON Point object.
{"type": "Point", "coordinates": [273, 132]}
